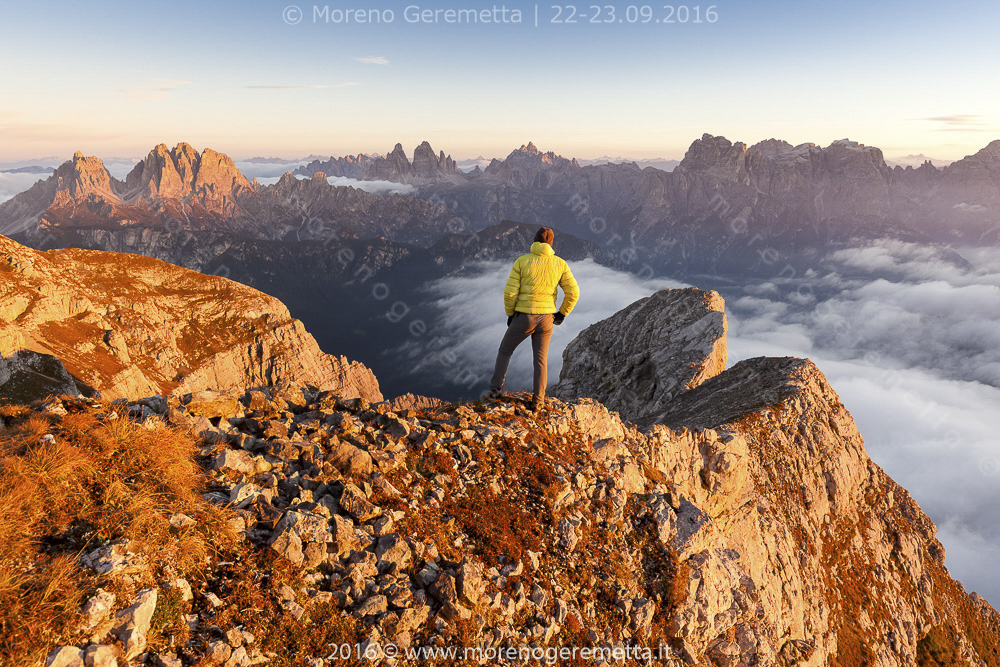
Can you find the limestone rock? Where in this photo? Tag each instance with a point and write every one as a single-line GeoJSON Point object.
{"type": "Point", "coordinates": [354, 502]}
{"type": "Point", "coordinates": [413, 402]}
{"type": "Point", "coordinates": [747, 512]}
{"type": "Point", "coordinates": [103, 655]}
{"type": "Point", "coordinates": [393, 552]}
{"type": "Point", "coordinates": [343, 534]}
{"type": "Point", "coordinates": [376, 604]}
{"type": "Point", "coordinates": [444, 589]}
{"type": "Point", "coordinates": [96, 610]}
{"type": "Point", "coordinates": [132, 624]}
{"type": "Point", "coordinates": [306, 526]}
{"type": "Point", "coordinates": [208, 403]}
{"type": "Point", "coordinates": [351, 460]}
{"type": "Point", "coordinates": [471, 584]}
{"type": "Point", "coordinates": [115, 558]}
{"type": "Point", "coordinates": [181, 332]}
{"type": "Point", "coordinates": [640, 358]}
{"type": "Point", "coordinates": [65, 656]}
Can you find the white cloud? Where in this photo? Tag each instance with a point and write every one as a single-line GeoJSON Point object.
{"type": "Point", "coordinates": [154, 89]}
{"type": "Point", "coordinates": [12, 184]}
{"type": "Point", "coordinates": [969, 208]}
{"type": "Point", "coordinates": [958, 119]}
{"type": "Point", "coordinates": [373, 60]}
{"type": "Point", "coordinates": [916, 359]}
{"type": "Point", "coordinates": [286, 87]}
{"type": "Point", "coordinates": [374, 187]}
{"type": "Point", "coordinates": [267, 173]}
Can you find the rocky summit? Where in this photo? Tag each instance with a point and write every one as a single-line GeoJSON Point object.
{"type": "Point", "coordinates": [84, 322]}
{"type": "Point", "coordinates": [743, 524]}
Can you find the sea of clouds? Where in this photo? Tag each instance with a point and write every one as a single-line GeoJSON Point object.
{"type": "Point", "coordinates": [906, 334]}
{"type": "Point", "coordinates": [11, 184]}
{"type": "Point", "coordinates": [374, 187]}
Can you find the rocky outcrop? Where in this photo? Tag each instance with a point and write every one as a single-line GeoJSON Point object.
{"type": "Point", "coordinates": [125, 325]}
{"type": "Point", "coordinates": [529, 167]}
{"type": "Point", "coordinates": [428, 165]}
{"type": "Point", "coordinates": [803, 529]}
{"type": "Point", "coordinates": [174, 189]}
{"type": "Point", "coordinates": [748, 526]}
{"type": "Point", "coordinates": [718, 211]}
{"type": "Point", "coordinates": [751, 529]}
{"type": "Point", "coordinates": [208, 180]}
{"type": "Point", "coordinates": [726, 202]}
{"type": "Point", "coordinates": [80, 187]}
{"type": "Point", "coordinates": [778, 513]}
{"type": "Point", "coordinates": [396, 167]}
{"type": "Point", "coordinates": [639, 359]}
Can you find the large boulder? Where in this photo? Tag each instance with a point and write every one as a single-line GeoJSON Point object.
{"type": "Point", "coordinates": [640, 358]}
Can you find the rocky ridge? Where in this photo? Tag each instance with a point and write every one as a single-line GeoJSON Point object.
{"type": "Point", "coordinates": [748, 528]}
{"type": "Point", "coordinates": [181, 191]}
{"type": "Point", "coordinates": [77, 321]}
{"type": "Point", "coordinates": [208, 180]}
{"type": "Point", "coordinates": [727, 208]}
{"type": "Point", "coordinates": [426, 167]}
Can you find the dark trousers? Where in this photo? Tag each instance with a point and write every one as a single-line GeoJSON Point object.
{"type": "Point", "coordinates": [539, 327]}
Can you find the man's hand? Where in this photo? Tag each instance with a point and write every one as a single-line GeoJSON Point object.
{"type": "Point", "coordinates": [558, 319]}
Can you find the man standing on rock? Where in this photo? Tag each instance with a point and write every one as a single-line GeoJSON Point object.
{"type": "Point", "coordinates": [530, 301]}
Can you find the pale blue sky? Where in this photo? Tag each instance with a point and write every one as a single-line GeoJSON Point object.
{"type": "Point", "coordinates": [116, 78]}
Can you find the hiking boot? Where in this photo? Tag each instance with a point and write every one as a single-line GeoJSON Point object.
{"type": "Point", "coordinates": [493, 394]}
{"type": "Point", "coordinates": [537, 404]}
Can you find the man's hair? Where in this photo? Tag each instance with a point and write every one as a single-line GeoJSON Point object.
{"type": "Point", "coordinates": [544, 235]}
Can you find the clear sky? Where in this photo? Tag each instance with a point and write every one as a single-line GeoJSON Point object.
{"type": "Point", "coordinates": [266, 77]}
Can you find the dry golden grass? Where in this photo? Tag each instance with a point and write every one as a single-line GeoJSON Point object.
{"type": "Point", "coordinates": [98, 481]}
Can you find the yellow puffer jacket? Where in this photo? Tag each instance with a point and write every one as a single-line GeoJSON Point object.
{"type": "Point", "coordinates": [531, 287]}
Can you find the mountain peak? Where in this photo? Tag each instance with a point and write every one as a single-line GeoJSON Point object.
{"type": "Point", "coordinates": [209, 179]}
{"type": "Point", "coordinates": [713, 152]}
{"type": "Point", "coordinates": [81, 180]}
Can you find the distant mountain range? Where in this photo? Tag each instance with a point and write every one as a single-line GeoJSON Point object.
{"type": "Point", "coordinates": [916, 161]}
{"type": "Point", "coordinates": [794, 195]}
{"type": "Point", "coordinates": [658, 163]}
{"type": "Point", "coordinates": [33, 169]}
{"type": "Point", "coordinates": [727, 213]}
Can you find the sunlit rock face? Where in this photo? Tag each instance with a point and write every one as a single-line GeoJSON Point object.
{"type": "Point", "coordinates": [130, 326]}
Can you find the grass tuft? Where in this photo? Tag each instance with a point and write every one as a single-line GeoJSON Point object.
{"type": "Point", "coordinates": [93, 482]}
